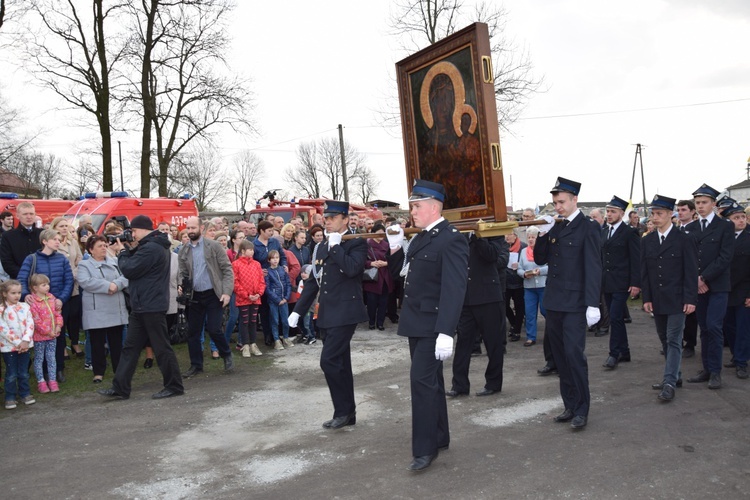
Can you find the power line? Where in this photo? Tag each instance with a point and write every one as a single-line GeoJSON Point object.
{"type": "Point", "coordinates": [637, 110]}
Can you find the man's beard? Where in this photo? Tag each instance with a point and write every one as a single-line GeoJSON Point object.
{"type": "Point", "coordinates": [194, 236]}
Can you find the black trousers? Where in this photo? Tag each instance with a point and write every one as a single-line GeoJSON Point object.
{"type": "Point", "coordinates": [429, 411]}
{"type": "Point", "coordinates": [567, 338]}
{"type": "Point", "coordinates": [205, 309]}
{"type": "Point", "coordinates": [142, 327]}
{"type": "Point", "coordinates": [336, 363]}
{"type": "Point", "coordinates": [690, 335]}
{"type": "Point", "coordinates": [484, 318]}
{"type": "Point", "coordinates": [515, 314]}
{"type": "Point", "coordinates": [99, 336]}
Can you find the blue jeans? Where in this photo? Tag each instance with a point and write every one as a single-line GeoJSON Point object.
{"type": "Point", "coordinates": [307, 327]}
{"type": "Point", "coordinates": [532, 298]}
{"type": "Point", "coordinates": [669, 327]}
{"type": "Point", "coordinates": [234, 314]}
{"type": "Point", "coordinates": [711, 308]}
{"type": "Point", "coordinates": [87, 347]}
{"type": "Point", "coordinates": [617, 303]}
{"type": "Point", "coordinates": [16, 375]}
{"type": "Point", "coordinates": [45, 350]}
{"type": "Point", "coordinates": [279, 313]}
{"type": "Point", "coordinates": [737, 333]}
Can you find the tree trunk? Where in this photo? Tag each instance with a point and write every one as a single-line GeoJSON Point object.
{"type": "Point", "coordinates": [103, 100]}
{"type": "Point", "coordinates": [149, 107]}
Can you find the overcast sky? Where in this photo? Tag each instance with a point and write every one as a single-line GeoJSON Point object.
{"type": "Point", "coordinates": [313, 68]}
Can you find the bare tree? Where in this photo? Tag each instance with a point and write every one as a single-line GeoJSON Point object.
{"type": "Point", "coordinates": [72, 56]}
{"type": "Point", "coordinates": [198, 171]}
{"type": "Point", "coordinates": [304, 177]}
{"type": "Point", "coordinates": [81, 178]}
{"type": "Point", "coordinates": [418, 23]}
{"type": "Point", "coordinates": [11, 143]}
{"type": "Point", "coordinates": [248, 170]}
{"type": "Point", "coordinates": [40, 174]}
{"type": "Point", "coordinates": [181, 93]}
{"type": "Point", "coordinates": [318, 171]}
{"type": "Point", "coordinates": [364, 184]}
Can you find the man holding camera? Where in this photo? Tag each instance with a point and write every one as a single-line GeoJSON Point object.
{"type": "Point", "coordinates": [205, 265]}
{"type": "Point", "coordinates": [146, 266]}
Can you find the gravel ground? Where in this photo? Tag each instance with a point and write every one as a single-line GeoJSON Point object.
{"type": "Point", "coordinates": [257, 433]}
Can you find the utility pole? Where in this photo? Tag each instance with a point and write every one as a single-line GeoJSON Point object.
{"type": "Point", "coordinates": [638, 156]}
{"type": "Point", "coordinates": [122, 182]}
{"type": "Point", "coordinates": [343, 163]}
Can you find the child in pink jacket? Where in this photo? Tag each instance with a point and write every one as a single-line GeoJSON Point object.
{"type": "Point", "coordinates": [47, 325]}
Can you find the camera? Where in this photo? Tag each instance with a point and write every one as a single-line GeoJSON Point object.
{"type": "Point", "coordinates": [187, 292]}
{"type": "Point", "coordinates": [126, 236]}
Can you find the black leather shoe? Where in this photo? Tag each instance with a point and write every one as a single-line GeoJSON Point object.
{"type": "Point", "coordinates": [565, 416]}
{"type": "Point", "coordinates": [714, 381]}
{"type": "Point", "coordinates": [624, 358]}
{"type": "Point", "coordinates": [667, 393]}
{"type": "Point", "coordinates": [730, 364]}
{"type": "Point", "coordinates": [167, 393]}
{"type": "Point", "coordinates": [371, 327]}
{"type": "Point", "coordinates": [627, 320]}
{"type": "Point", "coordinates": [111, 393]}
{"type": "Point", "coordinates": [149, 363]}
{"type": "Point", "coordinates": [703, 376]}
{"type": "Point", "coordinates": [381, 328]}
{"type": "Point", "coordinates": [455, 394]}
{"type": "Point", "coordinates": [611, 363]}
{"type": "Point", "coordinates": [61, 377]}
{"type": "Point", "coordinates": [487, 392]}
{"type": "Point", "coordinates": [579, 422]}
{"type": "Point", "coordinates": [228, 363]}
{"type": "Point", "coordinates": [339, 422]}
{"type": "Point", "coordinates": [444, 447]}
{"type": "Point", "coordinates": [546, 370]}
{"type": "Point", "coordinates": [475, 353]}
{"type": "Point", "coordinates": [660, 385]}
{"type": "Point", "coordinates": [688, 352]}
{"type": "Point", "coordinates": [742, 372]}
{"type": "Point", "coordinates": [421, 463]}
{"type": "Point", "coordinates": [192, 372]}
{"type": "Point", "coordinates": [601, 333]}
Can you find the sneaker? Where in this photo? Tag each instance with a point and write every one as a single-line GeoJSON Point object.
{"type": "Point", "coordinates": [53, 387]}
{"type": "Point", "coordinates": [87, 366]}
{"type": "Point", "coordinates": [277, 346]}
{"type": "Point", "coordinates": [287, 342]}
{"type": "Point", "coordinates": [10, 404]}
{"type": "Point", "coordinates": [42, 387]}
{"type": "Point", "coordinates": [254, 350]}
{"type": "Point", "coordinates": [28, 400]}
{"type": "Point", "coordinates": [311, 341]}
{"type": "Point", "coordinates": [245, 351]}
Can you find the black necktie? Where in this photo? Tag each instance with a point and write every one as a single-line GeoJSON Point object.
{"type": "Point", "coordinates": [611, 230]}
{"type": "Point", "coordinates": [663, 238]}
{"type": "Point", "coordinates": [703, 224]}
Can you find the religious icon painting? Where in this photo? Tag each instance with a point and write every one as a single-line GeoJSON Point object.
{"type": "Point", "coordinates": [449, 124]}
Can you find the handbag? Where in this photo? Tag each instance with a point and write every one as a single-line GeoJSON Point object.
{"type": "Point", "coordinates": [179, 331]}
{"type": "Point", "coordinates": [370, 274]}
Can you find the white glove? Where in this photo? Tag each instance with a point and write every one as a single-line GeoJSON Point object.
{"type": "Point", "coordinates": [395, 240]}
{"type": "Point", "coordinates": [545, 228]}
{"type": "Point", "coordinates": [443, 347]}
{"type": "Point", "coordinates": [592, 316]}
{"type": "Point", "coordinates": [334, 239]}
{"type": "Point", "coordinates": [293, 319]}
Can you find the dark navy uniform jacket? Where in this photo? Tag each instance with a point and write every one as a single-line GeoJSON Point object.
{"type": "Point", "coordinates": [669, 271]}
{"type": "Point", "coordinates": [339, 271]}
{"type": "Point", "coordinates": [572, 253]}
{"type": "Point", "coordinates": [621, 259]}
{"type": "Point", "coordinates": [484, 284]}
{"type": "Point", "coordinates": [715, 247]}
{"type": "Point", "coordinates": [740, 270]}
{"type": "Point", "coordinates": [435, 285]}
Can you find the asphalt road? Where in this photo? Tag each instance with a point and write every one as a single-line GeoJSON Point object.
{"type": "Point", "coordinates": [256, 433]}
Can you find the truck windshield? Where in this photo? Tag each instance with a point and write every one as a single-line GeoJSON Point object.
{"type": "Point", "coordinates": [96, 221]}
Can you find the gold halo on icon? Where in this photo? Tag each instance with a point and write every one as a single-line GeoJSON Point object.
{"type": "Point", "coordinates": [460, 107]}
